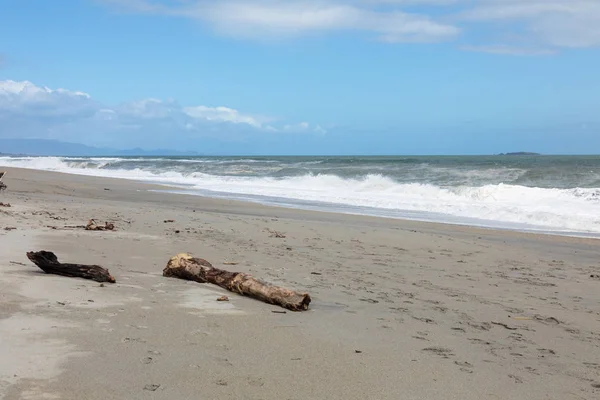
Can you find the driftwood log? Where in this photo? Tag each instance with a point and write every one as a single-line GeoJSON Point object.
{"type": "Point", "coordinates": [48, 262]}
{"type": "Point", "coordinates": [185, 266]}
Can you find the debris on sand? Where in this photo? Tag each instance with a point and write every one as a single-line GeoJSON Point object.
{"type": "Point", "coordinates": [93, 226]}
{"type": "Point", "coordinates": [275, 234]}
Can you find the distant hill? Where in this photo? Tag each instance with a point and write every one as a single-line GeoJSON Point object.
{"type": "Point", "coordinates": [44, 147]}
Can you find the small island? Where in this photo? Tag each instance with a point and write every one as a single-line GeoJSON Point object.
{"type": "Point", "coordinates": [520, 153]}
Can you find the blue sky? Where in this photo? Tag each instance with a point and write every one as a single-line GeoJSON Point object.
{"type": "Point", "coordinates": [310, 77]}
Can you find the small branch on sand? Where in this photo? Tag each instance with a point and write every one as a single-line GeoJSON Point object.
{"type": "Point", "coordinates": [510, 328]}
{"type": "Point", "coordinates": [17, 263]}
{"type": "Point", "coordinates": [93, 226]}
{"type": "Point", "coordinates": [48, 262]}
{"type": "Point", "coordinates": [184, 266]}
{"type": "Point", "coordinates": [66, 227]}
{"type": "Point", "coordinates": [49, 215]}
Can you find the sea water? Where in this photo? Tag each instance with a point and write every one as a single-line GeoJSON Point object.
{"type": "Point", "coordinates": [553, 194]}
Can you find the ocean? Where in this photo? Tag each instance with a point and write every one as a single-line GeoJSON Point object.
{"type": "Point", "coordinates": [550, 194]}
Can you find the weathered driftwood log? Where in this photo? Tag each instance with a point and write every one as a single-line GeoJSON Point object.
{"type": "Point", "coordinates": [185, 266]}
{"type": "Point", "coordinates": [48, 262]}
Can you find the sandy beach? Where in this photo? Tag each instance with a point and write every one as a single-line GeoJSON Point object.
{"type": "Point", "coordinates": [400, 309]}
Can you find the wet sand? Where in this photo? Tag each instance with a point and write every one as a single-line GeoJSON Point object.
{"type": "Point", "coordinates": [401, 309]}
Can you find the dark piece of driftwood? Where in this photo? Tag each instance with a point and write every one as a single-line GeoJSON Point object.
{"type": "Point", "coordinates": [2, 184]}
{"type": "Point", "coordinates": [185, 266]}
{"type": "Point", "coordinates": [48, 262]}
{"type": "Point", "coordinates": [93, 226]}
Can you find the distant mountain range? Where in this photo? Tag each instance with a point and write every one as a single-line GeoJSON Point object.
{"type": "Point", "coordinates": [44, 147]}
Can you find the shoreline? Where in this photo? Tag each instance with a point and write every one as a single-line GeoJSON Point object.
{"type": "Point", "coordinates": [400, 309]}
{"type": "Point", "coordinates": [336, 208]}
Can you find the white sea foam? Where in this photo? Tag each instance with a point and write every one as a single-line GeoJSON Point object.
{"type": "Point", "coordinates": [557, 210]}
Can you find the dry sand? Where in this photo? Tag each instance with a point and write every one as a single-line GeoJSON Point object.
{"type": "Point", "coordinates": [401, 310]}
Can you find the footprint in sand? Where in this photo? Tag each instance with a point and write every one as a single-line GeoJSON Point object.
{"type": "Point", "coordinates": [424, 319]}
{"type": "Point", "coordinates": [546, 352]}
{"type": "Point", "coordinates": [420, 338]}
{"type": "Point", "coordinates": [439, 351]}
{"type": "Point", "coordinates": [129, 340]}
{"type": "Point", "coordinates": [516, 378]}
{"type": "Point", "coordinates": [592, 365]}
{"type": "Point", "coordinates": [465, 366]}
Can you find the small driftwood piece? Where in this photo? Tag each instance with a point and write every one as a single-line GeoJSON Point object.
{"type": "Point", "coordinates": [184, 266]}
{"type": "Point", "coordinates": [2, 184]}
{"type": "Point", "coordinates": [93, 226]}
{"type": "Point", "coordinates": [48, 262]}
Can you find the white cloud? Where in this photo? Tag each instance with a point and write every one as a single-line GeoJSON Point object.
{"type": "Point", "coordinates": [222, 114]}
{"type": "Point", "coordinates": [25, 98]}
{"type": "Point", "coordinates": [559, 23]}
{"type": "Point", "coordinates": [29, 92]}
{"type": "Point", "coordinates": [537, 23]}
{"type": "Point", "coordinates": [27, 110]}
{"type": "Point", "coordinates": [279, 18]}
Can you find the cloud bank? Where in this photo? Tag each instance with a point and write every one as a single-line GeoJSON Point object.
{"type": "Point", "coordinates": [30, 111]}
{"type": "Point", "coordinates": [535, 27]}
